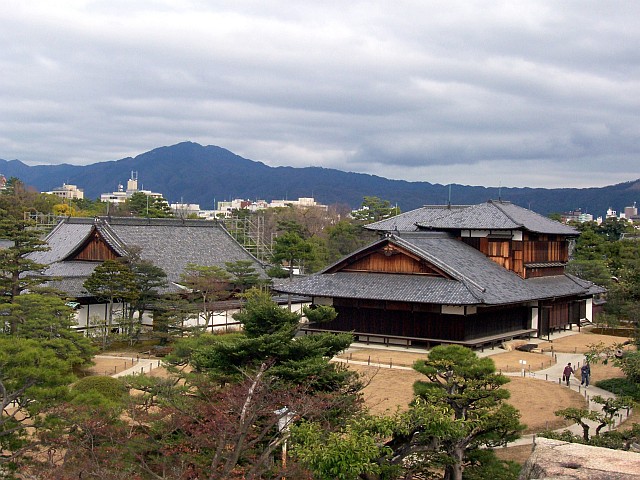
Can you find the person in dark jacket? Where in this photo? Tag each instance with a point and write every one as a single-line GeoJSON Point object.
{"type": "Point", "coordinates": [566, 373]}
{"type": "Point", "coordinates": [585, 371]}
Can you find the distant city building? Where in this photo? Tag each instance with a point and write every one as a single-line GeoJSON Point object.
{"type": "Point", "coordinates": [226, 208]}
{"type": "Point", "coordinates": [208, 214]}
{"type": "Point", "coordinates": [303, 202]}
{"type": "Point", "coordinates": [585, 217]}
{"type": "Point", "coordinates": [121, 195]}
{"type": "Point", "coordinates": [3, 182]}
{"type": "Point", "coordinates": [631, 213]}
{"type": "Point", "coordinates": [184, 210]}
{"type": "Point", "coordinates": [572, 216]}
{"type": "Point", "coordinates": [67, 192]}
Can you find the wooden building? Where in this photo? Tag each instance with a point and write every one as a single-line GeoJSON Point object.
{"type": "Point", "coordinates": [78, 245]}
{"type": "Point", "coordinates": [461, 274]}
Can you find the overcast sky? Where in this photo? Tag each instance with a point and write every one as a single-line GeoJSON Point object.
{"type": "Point", "coordinates": [532, 93]}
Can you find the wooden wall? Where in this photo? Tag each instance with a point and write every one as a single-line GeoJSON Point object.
{"type": "Point", "coordinates": [95, 249]}
{"type": "Point", "coordinates": [514, 255]}
{"type": "Point", "coordinates": [425, 321]}
{"type": "Point", "coordinates": [560, 314]}
{"type": "Point", "coordinates": [546, 251]}
{"type": "Point", "coordinates": [392, 262]}
{"type": "Point", "coordinates": [543, 272]}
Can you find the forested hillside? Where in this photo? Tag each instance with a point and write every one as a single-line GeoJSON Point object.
{"type": "Point", "coordinates": [203, 174]}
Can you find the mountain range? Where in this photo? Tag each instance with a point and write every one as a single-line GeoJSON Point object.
{"type": "Point", "coordinates": [193, 173]}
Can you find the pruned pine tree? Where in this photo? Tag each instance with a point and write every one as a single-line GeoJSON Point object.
{"type": "Point", "coordinates": [18, 272]}
{"type": "Point", "coordinates": [113, 282]}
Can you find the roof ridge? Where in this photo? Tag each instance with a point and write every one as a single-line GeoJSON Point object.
{"type": "Point", "coordinates": [499, 207]}
{"type": "Point", "coordinates": [74, 246]}
{"type": "Point", "coordinates": [449, 269]}
{"type": "Point", "coordinates": [473, 294]}
{"type": "Point", "coordinates": [110, 236]}
{"type": "Point", "coordinates": [448, 212]}
{"type": "Point", "coordinates": [579, 281]}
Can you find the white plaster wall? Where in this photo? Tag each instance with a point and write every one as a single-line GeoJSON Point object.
{"type": "Point", "coordinates": [327, 301]}
{"type": "Point", "coordinates": [220, 319]}
{"type": "Point", "coordinates": [589, 309]}
{"type": "Point", "coordinates": [534, 317]}
{"type": "Point", "coordinates": [452, 310]}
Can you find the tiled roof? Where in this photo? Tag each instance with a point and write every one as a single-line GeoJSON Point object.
{"type": "Point", "coordinates": [62, 240]}
{"type": "Point", "coordinates": [69, 277]}
{"type": "Point", "coordinates": [532, 221]}
{"type": "Point", "coordinates": [492, 215]}
{"type": "Point", "coordinates": [382, 286]}
{"type": "Point", "coordinates": [476, 280]}
{"type": "Point", "coordinates": [111, 237]}
{"type": "Point", "coordinates": [406, 222]}
{"type": "Point", "coordinates": [168, 243]}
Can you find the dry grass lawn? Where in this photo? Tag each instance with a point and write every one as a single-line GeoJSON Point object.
{"type": "Point", "coordinates": [579, 343]}
{"type": "Point", "coordinates": [508, 362]}
{"type": "Point", "coordinates": [387, 388]}
{"type": "Point", "coordinates": [110, 366]}
{"type": "Point", "coordinates": [518, 454]}
{"type": "Point", "coordinates": [538, 399]}
{"type": "Point", "coordinates": [383, 357]}
{"type": "Point", "coordinates": [391, 388]}
{"type": "Point", "coordinates": [602, 372]}
{"type": "Point", "coordinates": [628, 423]}
{"type": "Point", "coordinates": [505, 361]}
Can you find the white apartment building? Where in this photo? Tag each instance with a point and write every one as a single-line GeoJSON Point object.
{"type": "Point", "coordinates": [121, 195]}
{"type": "Point", "coordinates": [67, 191]}
{"type": "Point", "coordinates": [226, 208]}
{"type": "Point", "coordinates": [184, 210]}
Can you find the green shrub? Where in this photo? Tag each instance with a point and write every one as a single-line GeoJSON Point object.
{"type": "Point", "coordinates": [277, 272]}
{"type": "Point", "coordinates": [93, 389]}
{"type": "Point", "coordinates": [621, 387]}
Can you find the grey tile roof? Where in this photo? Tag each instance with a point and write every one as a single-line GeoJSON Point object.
{"type": "Point", "coordinates": [533, 221]}
{"type": "Point", "coordinates": [172, 247]}
{"type": "Point", "coordinates": [69, 277]}
{"type": "Point", "coordinates": [492, 215]}
{"type": "Point", "coordinates": [495, 215]}
{"type": "Point", "coordinates": [168, 243]}
{"type": "Point", "coordinates": [381, 286]}
{"type": "Point", "coordinates": [476, 280]}
{"type": "Point", "coordinates": [406, 222]}
{"type": "Point", "coordinates": [62, 240]}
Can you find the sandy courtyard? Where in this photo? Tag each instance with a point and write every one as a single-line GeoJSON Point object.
{"type": "Point", "coordinates": [391, 388]}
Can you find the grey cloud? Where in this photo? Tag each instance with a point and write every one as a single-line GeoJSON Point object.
{"type": "Point", "coordinates": [414, 89]}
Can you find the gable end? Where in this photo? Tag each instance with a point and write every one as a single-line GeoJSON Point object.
{"type": "Point", "coordinates": [389, 258]}
{"type": "Point", "coordinates": [94, 249]}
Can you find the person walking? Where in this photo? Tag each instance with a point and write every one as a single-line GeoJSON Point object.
{"type": "Point", "coordinates": [585, 372]}
{"type": "Point", "coordinates": [566, 373]}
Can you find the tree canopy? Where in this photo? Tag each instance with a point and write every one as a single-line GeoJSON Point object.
{"type": "Point", "coordinates": [374, 209]}
{"type": "Point", "coordinates": [268, 337]}
{"type": "Point", "coordinates": [112, 281]}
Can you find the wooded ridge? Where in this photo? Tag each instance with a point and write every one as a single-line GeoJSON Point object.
{"type": "Point", "coordinates": [193, 173]}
